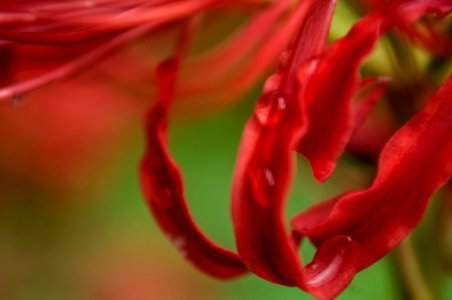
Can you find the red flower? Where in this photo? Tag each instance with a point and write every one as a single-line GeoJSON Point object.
{"type": "Point", "coordinates": [308, 103]}
{"type": "Point", "coordinates": [162, 183]}
{"type": "Point", "coordinates": [352, 231]}
{"type": "Point", "coordinates": [313, 104]}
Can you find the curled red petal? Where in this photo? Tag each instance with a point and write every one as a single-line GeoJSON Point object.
{"type": "Point", "coordinates": [333, 267]}
{"type": "Point", "coordinates": [415, 162]}
{"type": "Point", "coordinates": [162, 186]}
{"type": "Point", "coordinates": [328, 96]}
{"type": "Point", "coordinates": [329, 109]}
{"type": "Point", "coordinates": [313, 216]}
{"type": "Point", "coordinates": [264, 171]}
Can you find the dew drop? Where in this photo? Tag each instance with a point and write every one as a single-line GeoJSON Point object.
{"type": "Point", "coordinates": [269, 177]}
{"type": "Point", "coordinates": [179, 243]}
{"type": "Point", "coordinates": [164, 198]}
{"type": "Point", "coordinates": [314, 266]}
{"type": "Point", "coordinates": [262, 181]}
{"type": "Point", "coordinates": [270, 108]}
{"type": "Point", "coordinates": [308, 68]}
{"type": "Point", "coordinates": [272, 83]}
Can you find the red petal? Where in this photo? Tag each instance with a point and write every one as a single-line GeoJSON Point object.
{"type": "Point", "coordinates": [413, 165]}
{"type": "Point", "coordinates": [264, 172]}
{"type": "Point", "coordinates": [333, 267]}
{"type": "Point", "coordinates": [328, 96]}
{"type": "Point", "coordinates": [240, 81]}
{"type": "Point", "coordinates": [228, 54]}
{"type": "Point", "coordinates": [436, 42]}
{"type": "Point", "coordinates": [371, 89]}
{"type": "Point", "coordinates": [162, 186]}
{"type": "Point", "coordinates": [263, 175]}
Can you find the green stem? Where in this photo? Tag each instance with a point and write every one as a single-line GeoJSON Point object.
{"type": "Point", "coordinates": [410, 272]}
{"type": "Point", "coordinates": [444, 231]}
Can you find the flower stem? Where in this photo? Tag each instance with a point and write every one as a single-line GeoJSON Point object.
{"type": "Point", "coordinates": [445, 229]}
{"type": "Point", "coordinates": [410, 272]}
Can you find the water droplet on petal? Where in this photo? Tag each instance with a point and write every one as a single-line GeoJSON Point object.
{"type": "Point", "coordinates": [272, 83]}
{"type": "Point", "coordinates": [180, 243]}
{"type": "Point", "coordinates": [262, 181]}
{"type": "Point", "coordinates": [270, 108]}
{"type": "Point", "coordinates": [307, 69]}
{"type": "Point", "coordinates": [269, 177]}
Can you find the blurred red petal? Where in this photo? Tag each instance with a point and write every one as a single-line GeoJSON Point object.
{"type": "Point", "coordinates": [240, 81]}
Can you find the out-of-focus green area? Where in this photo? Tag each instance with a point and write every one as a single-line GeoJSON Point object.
{"type": "Point", "coordinates": [100, 242]}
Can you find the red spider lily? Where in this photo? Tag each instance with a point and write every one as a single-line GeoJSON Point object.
{"type": "Point", "coordinates": [293, 109]}
{"type": "Point", "coordinates": [163, 189]}
{"type": "Point", "coordinates": [35, 33]}
{"type": "Point", "coordinates": [313, 104]}
{"type": "Point", "coordinates": [162, 185]}
{"type": "Point", "coordinates": [265, 166]}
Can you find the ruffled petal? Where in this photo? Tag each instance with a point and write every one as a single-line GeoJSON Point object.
{"type": "Point", "coordinates": [415, 162]}
{"type": "Point", "coordinates": [162, 186]}
{"type": "Point", "coordinates": [264, 171]}
{"type": "Point", "coordinates": [329, 96]}
{"type": "Point", "coordinates": [265, 168]}
{"type": "Point", "coordinates": [331, 121]}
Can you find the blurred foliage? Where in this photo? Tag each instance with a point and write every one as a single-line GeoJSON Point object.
{"type": "Point", "coordinates": [107, 246]}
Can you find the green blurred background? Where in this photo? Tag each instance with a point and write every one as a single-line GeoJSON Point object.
{"type": "Point", "coordinates": [101, 242]}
